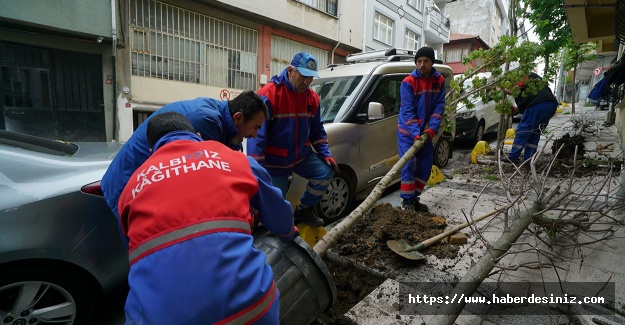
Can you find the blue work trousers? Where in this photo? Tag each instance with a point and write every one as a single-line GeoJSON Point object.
{"type": "Point", "coordinates": [317, 172]}
{"type": "Point", "coordinates": [534, 120]}
{"type": "Point", "coordinates": [416, 172]}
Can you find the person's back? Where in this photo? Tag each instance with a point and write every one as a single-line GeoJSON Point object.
{"type": "Point", "coordinates": [527, 100]}
{"type": "Point", "coordinates": [209, 117]}
{"type": "Point", "coordinates": [537, 110]}
{"type": "Point", "coordinates": [186, 212]}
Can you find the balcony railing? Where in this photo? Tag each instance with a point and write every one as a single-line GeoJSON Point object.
{"type": "Point", "coordinates": [436, 15]}
{"type": "Point", "coordinates": [436, 26]}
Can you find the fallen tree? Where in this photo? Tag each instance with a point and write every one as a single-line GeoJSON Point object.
{"type": "Point", "coordinates": [337, 231]}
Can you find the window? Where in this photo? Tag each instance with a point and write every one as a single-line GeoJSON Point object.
{"type": "Point", "coordinates": [411, 40]}
{"type": "Point", "coordinates": [284, 49]}
{"type": "Point", "coordinates": [176, 44]}
{"type": "Point", "coordinates": [386, 93]}
{"type": "Point", "coordinates": [417, 4]}
{"type": "Point", "coordinates": [456, 55]}
{"type": "Point", "coordinates": [327, 6]}
{"type": "Point", "coordinates": [334, 94]}
{"type": "Point", "coordinates": [383, 29]}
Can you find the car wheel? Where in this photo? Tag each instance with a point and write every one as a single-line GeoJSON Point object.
{"type": "Point", "coordinates": [442, 151]}
{"type": "Point", "coordinates": [337, 199]}
{"type": "Point", "coordinates": [479, 132]}
{"type": "Point", "coordinates": [30, 296]}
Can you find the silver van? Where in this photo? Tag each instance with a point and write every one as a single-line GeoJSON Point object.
{"type": "Point", "coordinates": [360, 106]}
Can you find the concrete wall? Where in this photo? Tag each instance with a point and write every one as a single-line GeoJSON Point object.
{"type": "Point", "coordinates": [75, 16]}
{"type": "Point", "coordinates": [296, 16]}
{"type": "Point", "coordinates": [477, 22]}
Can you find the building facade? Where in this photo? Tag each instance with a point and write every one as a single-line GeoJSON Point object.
{"type": "Point", "coordinates": [185, 49]}
{"type": "Point", "coordinates": [406, 24]}
{"type": "Point", "coordinates": [486, 18]}
{"type": "Point", "coordinates": [130, 57]}
{"type": "Point", "coordinates": [459, 46]}
{"type": "Point", "coordinates": [56, 67]}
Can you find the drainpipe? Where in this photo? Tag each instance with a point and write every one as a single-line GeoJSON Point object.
{"type": "Point", "coordinates": [338, 38]}
{"type": "Point", "coordinates": [114, 64]}
{"type": "Point", "coordinates": [364, 28]}
{"type": "Point", "coordinates": [423, 24]}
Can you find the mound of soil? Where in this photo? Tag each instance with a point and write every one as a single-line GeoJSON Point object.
{"type": "Point", "coordinates": [365, 243]}
{"type": "Point", "coordinates": [567, 146]}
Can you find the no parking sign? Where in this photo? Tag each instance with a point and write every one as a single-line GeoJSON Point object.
{"type": "Point", "coordinates": [597, 72]}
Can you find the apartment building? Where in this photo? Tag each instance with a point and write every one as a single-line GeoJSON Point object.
{"type": "Point", "coordinates": [147, 53]}
{"type": "Point", "coordinates": [407, 24]}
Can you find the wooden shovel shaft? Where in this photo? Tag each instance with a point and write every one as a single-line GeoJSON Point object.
{"type": "Point", "coordinates": [454, 230]}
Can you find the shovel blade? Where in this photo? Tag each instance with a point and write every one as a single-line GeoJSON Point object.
{"type": "Point", "coordinates": [405, 250]}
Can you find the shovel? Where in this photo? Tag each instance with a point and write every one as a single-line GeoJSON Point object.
{"type": "Point", "coordinates": [408, 251]}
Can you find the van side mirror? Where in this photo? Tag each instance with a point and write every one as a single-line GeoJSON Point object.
{"type": "Point", "coordinates": [375, 111]}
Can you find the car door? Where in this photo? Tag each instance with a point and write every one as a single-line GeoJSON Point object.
{"type": "Point", "coordinates": [490, 115]}
{"type": "Point", "coordinates": [378, 138]}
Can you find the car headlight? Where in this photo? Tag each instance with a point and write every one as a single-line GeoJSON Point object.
{"type": "Point", "coordinates": [466, 114]}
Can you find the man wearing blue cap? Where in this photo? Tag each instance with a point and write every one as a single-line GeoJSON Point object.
{"type": "Point", "coordinates": [284, 143]}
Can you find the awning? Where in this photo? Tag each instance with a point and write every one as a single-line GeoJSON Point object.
{"type": "Point", "coordinates": [593, 20]}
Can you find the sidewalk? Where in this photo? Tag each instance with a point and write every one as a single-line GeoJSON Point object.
{"type": "Point", "coordinates": [601, 261]}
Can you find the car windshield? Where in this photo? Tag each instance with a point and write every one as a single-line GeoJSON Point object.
{"type": "Point", "coordinates": [333, 93]}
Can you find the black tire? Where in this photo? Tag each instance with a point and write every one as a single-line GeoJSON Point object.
{"type": "Point", "coordinates": [479, 132]}
{"type": "Point", "coordinates": [442, 152]}
{"type": "Point", "coordinates": [70, 298]}
{"type": "Point", "coordinates": [337, 200]}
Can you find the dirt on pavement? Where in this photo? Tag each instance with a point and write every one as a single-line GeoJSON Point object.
{"type": "Point", "coordinates": [365, 244]}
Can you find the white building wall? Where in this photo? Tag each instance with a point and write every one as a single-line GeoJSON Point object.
{"type": "Point", "coordinates": [481, 21]}
{"type": "Point", "coordinates": [300, 16]}
{"type": "Point", "coordinates": [153, 84]}
{"type": "Point", "coordinates": [410, 18]}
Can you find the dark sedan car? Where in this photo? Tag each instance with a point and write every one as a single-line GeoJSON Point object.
{"type": "Point", "coordinates": [60, 247]}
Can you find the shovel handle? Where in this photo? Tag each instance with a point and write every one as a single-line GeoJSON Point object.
{"type": "Point", "coordinates": [455, 229]}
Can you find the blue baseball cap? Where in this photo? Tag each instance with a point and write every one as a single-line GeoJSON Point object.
{"type": "Point", "coordinates": [306, 64]}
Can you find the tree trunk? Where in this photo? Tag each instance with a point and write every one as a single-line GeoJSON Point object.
{"type": "Point", "coordinates": [546, 65]}
{"type": "Point", "coordinates": [478, 272]}
{"type": "Point", "coordinates": [337, 231]}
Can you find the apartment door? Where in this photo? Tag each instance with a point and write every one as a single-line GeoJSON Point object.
{"type": "Point", "coordinates": [51, 93]}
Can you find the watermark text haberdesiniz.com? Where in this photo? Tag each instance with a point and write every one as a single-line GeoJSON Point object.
{"type": "Point", "coordinates": [507, 298]}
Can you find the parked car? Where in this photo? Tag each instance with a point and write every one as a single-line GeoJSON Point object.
{"type": "Point", "coordinates": [472, 124]}
{"type": "Point", "coordinates": [360, 107]}
{"type": "Point", "coordinates": [60, 247]}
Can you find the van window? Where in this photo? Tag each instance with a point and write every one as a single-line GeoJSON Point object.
{"type": "Point", "coordinates": [386, 92]}
{"type": "Point", "coordinates": [335, 94]}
